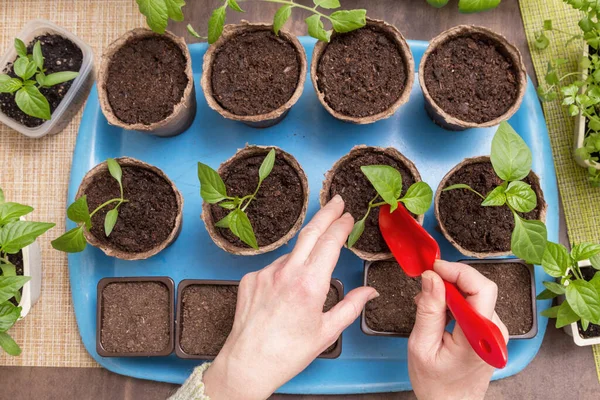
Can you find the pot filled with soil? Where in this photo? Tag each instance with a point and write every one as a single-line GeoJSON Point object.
{"type": "Point", "coordinates": [347, 179]}
{"type": "Point", "coordinates": [264, 207]}
{"type": "Point", "coordinates": [364, 75]}
{"type": "Point", "coordinates": [145, 83]}
{"type": "Point", "coordinates": [65, 60]}
{"type": "Point", "coordinates": [205, 316]}
{"type": "Point", "coordinates": [135, 317]}
{"type": "Point", "coordinates": [475, 230]}
{"type": "Point", "coordinates": [591, 335]}
{"type": "Point", "coordinates": [471, 77]}
{"type": "Point", "coordinates": [149, 215]}
{"type": "Point", "coordinates": [252, 75]}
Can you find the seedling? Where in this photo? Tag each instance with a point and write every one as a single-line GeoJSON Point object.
{"type": "Point", "coordinates": [158, 12]}
{"type": "Point", "coordinates": [27, 93]}
{"type": "Point", "coordinates": [511, 159]}
{"type": "Point", "coordinates": [74, 241]}
{"type": "Point", "coordinates": [582, 298]}
{"type": "Point", "coordinates": [213, 191]}
{"type": "Point", "coordinates": [387, 181]}
{"type": "Point", "coordinates": [468, 6]}
{"type": "Point", "coordinates": [341, 20]}
{"type": "Point", "coordinates": [15, 235]}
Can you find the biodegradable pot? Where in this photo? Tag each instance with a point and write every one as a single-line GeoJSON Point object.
{"type": "Point", "coordinates": [183, 113]}
{"type": "Point", "coordinates": [573, 329]}
{"type": "Point", "coordinates": [229, 247]}
{"type": "Point", "coordinates": [543, 207]}
{"type": "Point", "coordinates": [531, 271]}
{"type": "Point", "coordinates": [441, 117]}
{"type": "Point", "coordinates": [88, 179]}
{"type": "Point", "coordinates": [333, 353]}
{"type": "Point", "coordinates": [75, 96]}
{"type": "Point", "coordinates": [262, 120]}
{"type": "Point", "coordinates": [168, 282]}
{"type": "Point", "coordinates": [409, 66]}
{"type": "Point", "coordinates": [324, 196]}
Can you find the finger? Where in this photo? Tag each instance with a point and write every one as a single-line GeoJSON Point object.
{"type": "Point", "coordinates": [430, 323]}
{"type": "Point", "coordinates": [346, 311]}
{"type": "Point", "coordinates": [311, 233]}
{"type": "Point", "coordinates": [279, 262]}
{"type": "Point", "coordinates": [480, 292]}
{"type": "Point", "coordinates": [496, 319]}
{"type": "Point", "coordinates": [324, 257]}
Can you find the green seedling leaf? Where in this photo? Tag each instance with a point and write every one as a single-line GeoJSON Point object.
{"type": "Point", "coordinates": [357, 231]}
{"type": "Point", "coordinates": [547, 24]}
{"type": "Point", "coordinates": [528, 240]}
{"type": "Point", "coordinates": [10, 212]}
{"type": "Point", "coordinates": [327, 4]}
{"type": "Point", "coordinates": [8, 269]}
{"type": "Point", "coordinates": [550, 312]}
{"type": "Point", "coordinates": [510, 156]}
{"type": "Point", "coordinates": [11, 85]}
{"type": "Point", "coordinates": [473, 6]}
{"type": "Point", "coordinates": [584, 251]}
{"type": "Point", "coordinates": [462, 186]}
{"type": "Point", "coordinates": [193, 32]}
{"type": "Point", "coordinates": [556, 260]}
{"type": "Point", "coordinates": [234, 5]}
{"type": "Point", "coordinates": [212, 187]}
{"type": "Point", "coordinates": [267, 166]}
{"type": "Point", "coordinates": [156, 13]}
{"type": "Point", "coordinates": [9, 345]}
{"type": "Point", "coordinates": [19, 234]}
{"type": "Point", "coordinates": [348, 20]}
{"type": "Point", "coordinates": [565, 315]}
{"type": "Point", "coordinates": [228, 205]}
{"type": "Point", "coordinates": [596, 281]}
{"type": "Point", "coordinates": [496, 197]}
{"type": "Point", "coordinates": [110, 220]}
{"type": "Point", "coordinates": [595, 261]}
{"type": "Point", "coordinates": [437, 3]}
{"type": "Point", "coordinates": [386, 180]}
{"type": "Point", "coordinates": [20, 66]}
{"type": "Point", "coordinates": [584, 299]}
{"type": "Point", "coordinates": [59, 77]}
{"type": "Point", "coordinates": [418, 198]}
{"type": "Point", "coordinates": [115, 169]}
{"type": "Point", "coordinates": [225, 222]}
{"type": "Point", "coordinates": [40, 78]}
{"type": "Point", "coordinates": [38, 58]}
{"type": "Point", "coordinates": [72, 241]}
{"type": "Point", "coordinates": [174, 9]}
{"type": "Point", "coordinates": [316, 28]}
{"type": "Point", "coordinates": [79, 212]}
{"type": "Point", "coordinates": [20, 48]}
{"type": "Point", "coordinates": [585, 324]}
{"type": "Point", "coordinates": [33, 103]}
{"type": "Point", "coordinates": [9, 285]}
{"type": "Point", "coordinates": [281, 17]}
{"type": "Point", "coordinates": [554, 287]}
{"type": "Point", "coordinates": [9, 314]}
{"type": "Point", "coordinates": [521, 197]}
{"type": "Point", "coordinates": [546, 295]}
{"type": "Point", "coordinates": [242, 228]}
{"type": "Point", "coordinates": [216, 24]}
{"type": "Point", "coordinates": [4, 78]}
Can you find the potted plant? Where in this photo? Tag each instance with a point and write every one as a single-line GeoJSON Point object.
{"type": "Point", "coordinates": [145, 83]}
{"type": "Point", "coordinates": [20, 267]}
{"type": "Point", "coordinates": [255, 202]}
{"type": "Point", "coordinates": [494, 206]}
{"type": "Point", "coordinates": [206, 311]}
{"type": "Point", "coordinates": [471, 77]}
{"type": "Point", "coordinates": [135, 317]}
{"type": "Point", "coordinates": [365, 75]}
{"type": "Point", "coordinates": [126, 208]}
{"type": "Point", "coordinates": [366, 178]}
{"type": "Point", "coordinates": [44, 79]}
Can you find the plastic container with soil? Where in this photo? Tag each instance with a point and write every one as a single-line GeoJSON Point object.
{"type": "Point", "coordinates": [206, 311]}
{"type": "Point", "coordinates": [471, 77]}
{"type": "Point", "coordinates": [346, 179]}
{"type": "Point", "coordinates": [148, 222]}
{"type": "Point", "coordinates": [279, 208]}
{"type": "Point", "coordinates": [474, 230]}
{"type": "Point", "coordinates": [365, 75]}
{"type": "Point", "coordinates": [62, 51]}
{"type": "Point", "coordinates": [252, 75]}
{"type": "Point", "coordinates": [135, 317]}
{"type": "Point", "coordinates": [145, 83]}
{"type": "Point", "coordinates": [592, 335]}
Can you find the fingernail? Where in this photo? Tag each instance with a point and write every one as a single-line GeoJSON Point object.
{"type": "Point", "coordinates": [348, 215]}
{"type": "Point", "coordinates": [426, 282]}
{"type": "Point", "coordinates": [373, 295]}
{"type": "Point", "coordinates": [337, 199]}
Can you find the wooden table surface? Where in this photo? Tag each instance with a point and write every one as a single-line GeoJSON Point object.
{"type": "Point", "coordinates": [558, 357]}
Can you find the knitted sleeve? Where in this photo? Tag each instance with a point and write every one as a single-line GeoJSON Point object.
{"type": "Point", "coordinates": [193, 388]}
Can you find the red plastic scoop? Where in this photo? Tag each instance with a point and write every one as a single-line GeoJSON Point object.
{"type": "Point", "coordinates": [416, 251]}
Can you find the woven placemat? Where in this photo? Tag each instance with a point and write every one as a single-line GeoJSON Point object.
{"type": "Point", "coordinates": [581, 202]}
{"type": "Point", "coordinates": [36, 172]}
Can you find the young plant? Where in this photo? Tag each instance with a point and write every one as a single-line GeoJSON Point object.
{"type": "Point", "coordinates": [341, 20]}
{"type": "Point", "coordinates": [158, 12]}
{"type": "Point", "coordinates": [511, 160]}
{"type": "Point", "coordinates": [468, 6]}
{"type": "Point", "coordinates": [582, 298]}
{"type": "Point", "coordinates": [74, 241]}
{"type": "Point", "coordinates": [213, 191]}
{"type": "Point", "coordinates": [27, 93]}
{"type": "Point", "coordinates": [387, 181]}
{"type": "Point", "coordinates": [15, 235]}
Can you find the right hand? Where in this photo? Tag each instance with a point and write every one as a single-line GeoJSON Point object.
{"type": "Point", "coordinates": [443, 365]}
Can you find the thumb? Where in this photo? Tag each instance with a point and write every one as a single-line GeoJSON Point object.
{"type": "Point", "coordinates": [430, 323]}
{"type": "Point", "coordinates": [346, 311]}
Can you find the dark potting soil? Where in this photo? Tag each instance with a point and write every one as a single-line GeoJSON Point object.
{"type": "Point", "coordinates": [60, 54]}
{"type": "Point", "coordinates": [356, 190]}
{"type": "Point", "coordinates": [513, 305]}
{"type": "Point", "coordinates": [395, 309]}
{"type": "Point", "coordinates": [146, 79]}
{"type": "Point", "coordinates": [592, 330]}
{"type": "Point", "coordinates": [474, 227]}
{"type": "Point", "coordinates": [255, 73]}
{"type": "Point", "coordinates": [17, 260]}
{"type": "Point", "coordinates": [145, 221]}
{"type": "Point", "coordinates": [333, 297]}
{"type": "Point", "coordinates": [277, 205]}
{"type": "Point", "coordinates": [207, 314]}
{"type": "Point", "coordinates": [470, 79]}
{"type": "Point", "coordinates": [135, 317]}
{"type": "Point", "coordinates": [361, 73]}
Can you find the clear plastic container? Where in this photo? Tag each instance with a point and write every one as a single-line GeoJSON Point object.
{"type": "Point", "coordinates": [77, 93]}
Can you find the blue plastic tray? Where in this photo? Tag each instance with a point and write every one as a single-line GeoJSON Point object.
{"type": "Point", "coordinates": [317, 140]}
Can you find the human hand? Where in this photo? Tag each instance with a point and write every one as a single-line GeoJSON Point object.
{"type": "Point", "coordinates": [279, 325]}
{"type": "Point", "coordinates": [443, 365]}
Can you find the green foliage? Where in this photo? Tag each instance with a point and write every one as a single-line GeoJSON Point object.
{"type": "Point", "coordinates": [73, 241]}
{"type": "Point", "coordinates": [468, 6]}
{"type": "Point", "coordinates": [158, 12]}
{"type": "Point", "coordinates": [387, 182]}
{"type": "Point", "coordinates": [27, 93]}
{"type": "Point", "coordinates": [213, 191]}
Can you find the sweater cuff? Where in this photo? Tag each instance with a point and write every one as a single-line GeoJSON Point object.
{"type": "Point", "coordinates": [193, 388]}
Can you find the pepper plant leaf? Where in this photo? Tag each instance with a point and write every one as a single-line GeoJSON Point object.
{"type": "Point", "coordinates": [327, 4]}
{"type": "Point", "coordinates": [462, 186]}
{"type": "Point", "coordinates": [357, 231]}
{"type": "Point", "coordinates": [473, 6]}
{"type": "Point", "coordinates": [556, 260]}
{"type": "Point", "coordinates": [79, 212]}
{"type": "Point", "coordinates": [521, 197]}
{"type": "Point", "coordinates": [551, 312]}
{"type": "Point", "coordinates": [212, 187]}
{"type": "Point", "coordinates": [418, 198]}
{"type": "Point", "coordinates": [32, 102]}
{"type": "Point", "coordinates": [510, 156]}
{"type": "Point", "coordinates": [38, 58]}
{"type": "Point", "coordinates": [585, 251]}
{"type": "Point", "coordinates": [59, 77]}
{"type": "Point", "coordinates": [496, 197]}
{"type": "Point", "coordinates": [281, 17]}
{"type": "Point", "coordinates": [110, 220]}
{"type": "Point", "coordinates": [595, 261]}
{"type": "Point", "coordinates": [348, 20]}
{"type": "Point", "coordinates": [565, 315]}
{"type": "Point", "coordinates": [156, 14]}
{"type": "Point", "coordinates": [18, 234]}
{"type": "Point", "coordinates": [216, 23]}
{"type": "Point", "coordinates": [9, 345]}
{"type": "Point", "coordinates": [11, 85]}
{"type": "Point", "coordinates": [72, 241]}
{"type": "Point", "coordinates": [528, 240]}
{"type": "Point", "coordinates": [20, 48]}
{"type": "Point", "coordinates": [584, 299]}
{"type": "Point", "coordinates": [10, 212]}
{"type": "Point", "coordinates": [316, 28]}
{"type": "Point", "coordinates": [174, 9]}
{"type": "Point", "coordinates": [386, 180]}
{"type": "Point", "coordinates": [240, 226]}
{"type": "Point", "coordinates": [9, 314]}
{"type": "Point", "coordinates": [267, 166]}
{"type": "Point", "coordinates": [9, 285]}
{"type": "Point", "coordinates": [546, 295]}
{"type": "Point", "coordinates": [555, 288]}
{"type": "Point", "coordinates": [234, 5]}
